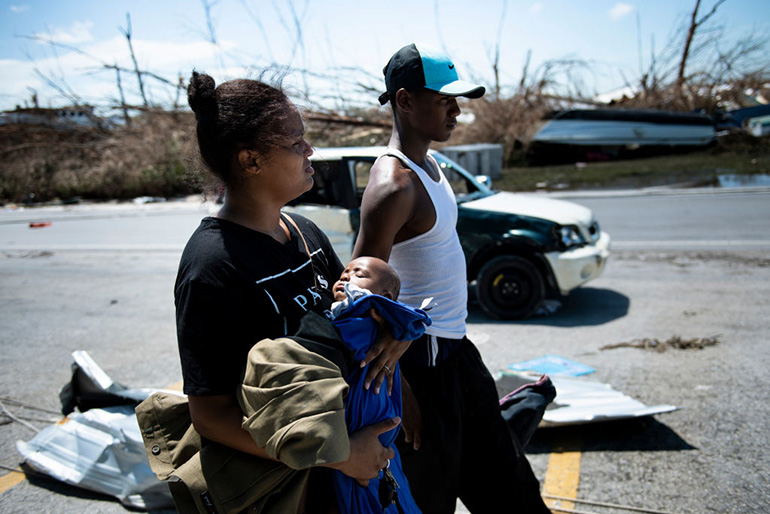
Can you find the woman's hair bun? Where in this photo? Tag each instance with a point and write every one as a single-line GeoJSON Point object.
{"type": "Point", "coordinates": [201, 94]}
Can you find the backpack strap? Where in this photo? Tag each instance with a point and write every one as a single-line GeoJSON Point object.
{"type": "Point", "coordinates": [304, 242]}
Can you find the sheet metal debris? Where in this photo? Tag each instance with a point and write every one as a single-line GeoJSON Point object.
{"type": "Point", "coordinates": [580, 400]}
{"type": "Point", "coordinates": [91, 387]}
{"type": "Point", "coordinates": [99, 449]}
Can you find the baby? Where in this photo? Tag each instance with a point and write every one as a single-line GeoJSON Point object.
{"type": "Point", "coordinates": [370, 283]}
{"type": "Point", "coordinates": [370, 274]}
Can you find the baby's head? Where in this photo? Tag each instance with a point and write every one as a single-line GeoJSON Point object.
{"type": "Point", "coordinates": [369, 273]}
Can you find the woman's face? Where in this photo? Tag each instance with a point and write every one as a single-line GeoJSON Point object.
{"type": "Point", "coordinates": [286, 169]}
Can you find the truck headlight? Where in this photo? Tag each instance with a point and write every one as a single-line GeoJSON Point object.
{"type": "Point", "coordinates": [571, 236]}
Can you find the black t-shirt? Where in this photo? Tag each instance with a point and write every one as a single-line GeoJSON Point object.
{"type": "Point", "coordinates": [235, 287]}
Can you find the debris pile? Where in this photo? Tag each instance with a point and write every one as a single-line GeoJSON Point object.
{"type": "Point", "coordinates": [675, 342]}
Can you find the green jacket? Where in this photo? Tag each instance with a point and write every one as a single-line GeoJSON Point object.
{"type": "Point", "coordinates": [293, 402]}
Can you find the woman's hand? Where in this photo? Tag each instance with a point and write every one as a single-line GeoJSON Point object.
{"type": "Point", "coordinates": [383, 356]}
{"type": "Point", "coordinates": [367, 455]}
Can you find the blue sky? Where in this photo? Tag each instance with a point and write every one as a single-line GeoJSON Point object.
{"type": "Point", "coordinates": [343, 42]}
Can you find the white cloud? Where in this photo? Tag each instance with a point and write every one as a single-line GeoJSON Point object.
{"type": "Point", "coordinates": [83, 72]}
{"type": "Point", "coordinates": [19, 80]}
{"type": "Point", "coordinates": [19, 8]}
{"type": "Point", "coordinates": [621, 10]}
{"type": "Point", "coordinates": [78, 32]}
{"type": "Point", "coordinates": [166, 54]}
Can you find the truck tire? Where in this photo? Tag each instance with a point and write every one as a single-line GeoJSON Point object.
{"type": "Point", "coordinates": [510, 287]}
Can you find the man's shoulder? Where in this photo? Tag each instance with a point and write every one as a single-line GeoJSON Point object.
{"type": "Point", "coordinates": [391, 163]}
{"type": "Point", "coordinates": [392, 175]}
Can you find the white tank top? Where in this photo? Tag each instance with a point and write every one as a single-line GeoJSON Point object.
{"type": "Point", "coordinates": [433, 264]}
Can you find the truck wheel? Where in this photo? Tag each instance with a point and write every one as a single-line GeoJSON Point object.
{"type": "Point", "coordinates": [510, 287]}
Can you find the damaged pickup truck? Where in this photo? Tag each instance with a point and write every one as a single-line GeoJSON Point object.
{"type": "Point", "coordinates": [519, 248]}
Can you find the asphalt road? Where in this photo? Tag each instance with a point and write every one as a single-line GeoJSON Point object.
{"type": "Point", "coordinates": [693, 265]}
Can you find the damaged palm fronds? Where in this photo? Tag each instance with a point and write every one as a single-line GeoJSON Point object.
{"type": "Point", "coordinates": [674, 342]}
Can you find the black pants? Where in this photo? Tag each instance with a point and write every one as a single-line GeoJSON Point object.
{"type": "Point", "coordinates": [467, 450]}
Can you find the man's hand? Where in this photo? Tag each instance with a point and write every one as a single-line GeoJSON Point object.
{"type": "Point", "coordinates": [383, 356]}
{"type": "Point", "coordinates": [367, 455]}
{"type": "Point", "coordinates": [412, 425]}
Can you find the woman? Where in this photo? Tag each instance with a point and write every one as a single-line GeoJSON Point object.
{"type": "Point", "coordinates": [249, 272]}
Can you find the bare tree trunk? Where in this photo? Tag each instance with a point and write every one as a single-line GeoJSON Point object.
{"type": "Point", "coordinates": [123, 106]}
{"type": "Point", "coordinates": [295, 28]}
{"type": "Point", "coordinates": [61, 86]}
{"type": "Point", "coordinates": [525, 72]}
{"type": "Point", "coordinates": [496, 63]}
{"type": "Point", "coordinates": [639, 43]}
{"type": "Point", "coordinates": [127, 34]}
{"type": "Point", "coordinates": [210, 30]}
{"type": "Point", "coordinates": [254, 15]}
{"type": "Point", "coordinates": [437, 21]}
{"type": "Point", "coordinates": [496, 70]}
{"type": "Point", "coordinates": [179, 89]}
{"type": "Point", "coordinates": [694, 24]}
{"type": "Point", "coordinates": [686, 50]}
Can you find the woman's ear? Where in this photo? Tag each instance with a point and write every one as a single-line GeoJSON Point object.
{"type": "Point", "coordinates": [248, 161]}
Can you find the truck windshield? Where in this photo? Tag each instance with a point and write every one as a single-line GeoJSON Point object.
{"type": "Point", "coordinates": [463, 182]}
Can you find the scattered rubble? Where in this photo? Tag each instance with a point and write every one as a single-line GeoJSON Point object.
{"type": "Point", "coordinates": [675, 342]}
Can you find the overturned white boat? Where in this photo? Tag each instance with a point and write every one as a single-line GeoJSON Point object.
{"type": "Point", "coordinates": [603, 134]}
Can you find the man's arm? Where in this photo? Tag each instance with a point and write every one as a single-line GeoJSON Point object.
{"type": "Point", "coordinates": [387, 207]}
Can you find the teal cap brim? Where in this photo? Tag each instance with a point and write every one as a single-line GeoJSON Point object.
{"type": "Point", "coordinates": [458, 88]}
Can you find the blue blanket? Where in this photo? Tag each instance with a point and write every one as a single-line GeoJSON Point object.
{"type": "Point", "coordinates": [365, 407]}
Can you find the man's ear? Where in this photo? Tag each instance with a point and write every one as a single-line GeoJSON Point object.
{"type": "Point", "coordinates": [388, 295]}
{"type": "Point", "coordinates": [248, 160]}
{"type": "Point", "coordinates": [404, 100]}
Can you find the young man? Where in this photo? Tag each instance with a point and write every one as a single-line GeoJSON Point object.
{"type": "Point", "coordinates": [455, 442]}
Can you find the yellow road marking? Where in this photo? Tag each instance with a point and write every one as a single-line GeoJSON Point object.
{"type": "Point", "coordinates": [562, 476]}
{"type": "Point", "coordinates": [176, 386]}
{"type": "Point", "coordinates": [11, 479]}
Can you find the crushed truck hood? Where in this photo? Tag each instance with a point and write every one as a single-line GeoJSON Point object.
{"type": "Point", "coordinates": [535, 206]}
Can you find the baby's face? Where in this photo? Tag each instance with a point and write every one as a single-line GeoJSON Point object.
{"type": "Point", "coordinates": [363, 273]}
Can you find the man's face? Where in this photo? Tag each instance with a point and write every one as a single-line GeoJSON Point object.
{"type": "Point", "coordinates": [434, 114]}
